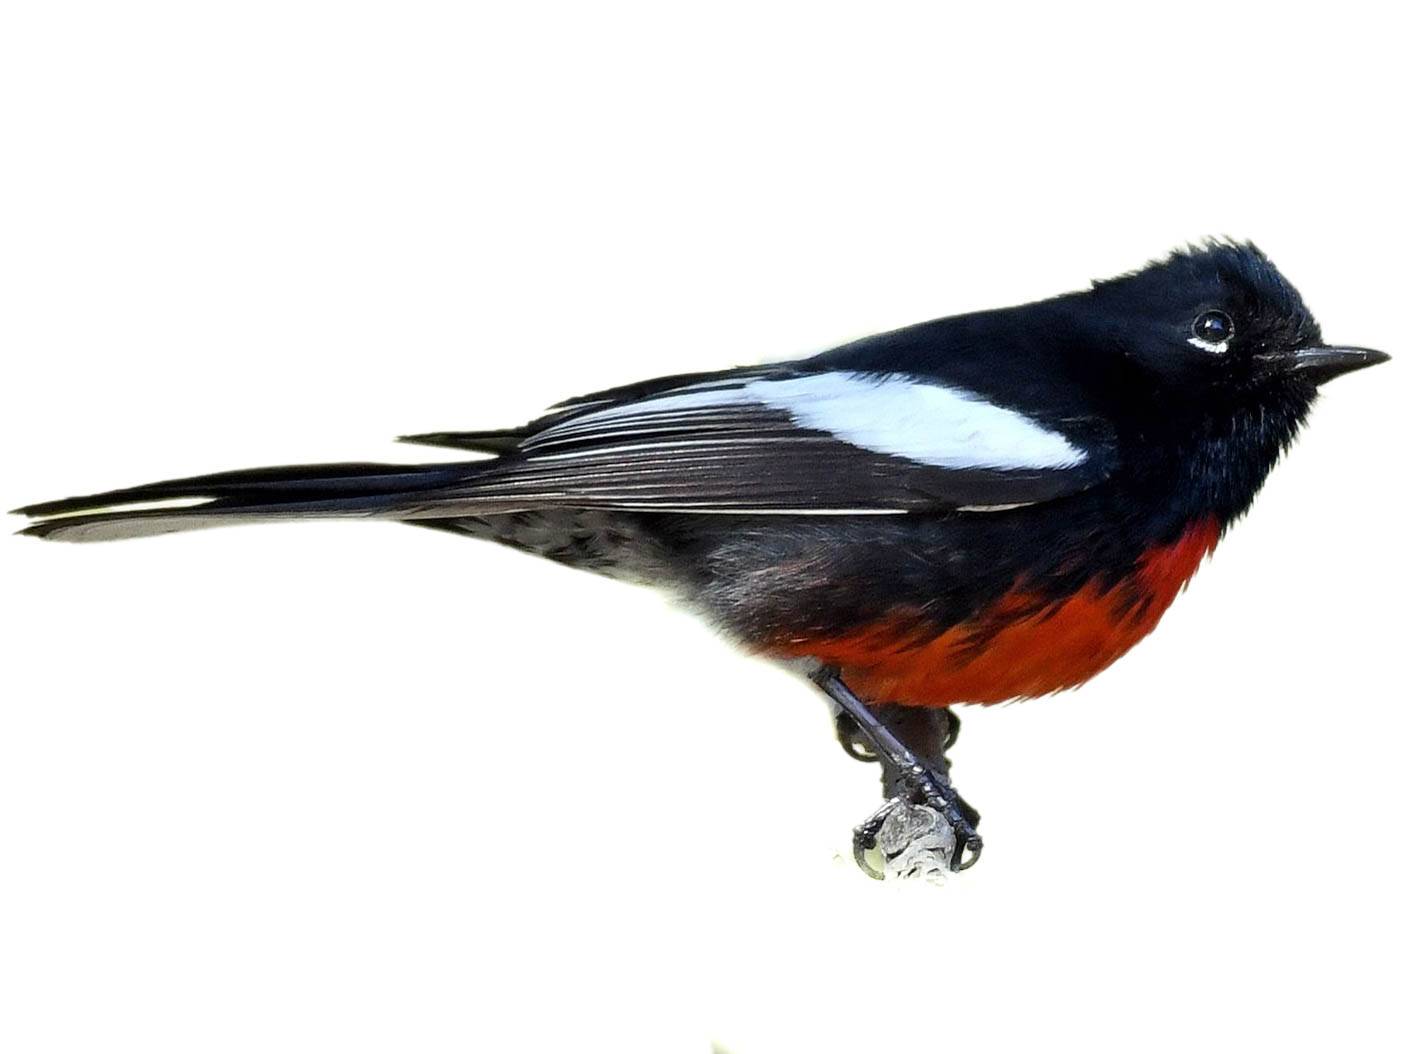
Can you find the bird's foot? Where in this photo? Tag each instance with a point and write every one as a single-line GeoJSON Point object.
{"type": "Point", "coordinates": [924, 826]}
{"type": "Point", "coordinates": [926, 830]}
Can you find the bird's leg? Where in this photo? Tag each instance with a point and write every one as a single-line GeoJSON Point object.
{"type": "Point", "coordinates": [910, 743]}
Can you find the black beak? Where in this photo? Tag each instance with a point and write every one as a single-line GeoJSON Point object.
{"type": "Point", "coordinates": [1320, 365]}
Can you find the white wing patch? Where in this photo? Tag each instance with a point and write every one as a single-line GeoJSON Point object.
{"type": "Point", "coordinates": [894, 414]}
{"type": "Point", "coordinates": [923, 422]}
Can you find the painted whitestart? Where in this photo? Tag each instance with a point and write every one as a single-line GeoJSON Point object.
{"type": "Point", "coordinates": [979, 508]}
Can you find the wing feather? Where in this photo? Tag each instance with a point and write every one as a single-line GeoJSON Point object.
{"type": "Point", "coordinates": [827, 443]}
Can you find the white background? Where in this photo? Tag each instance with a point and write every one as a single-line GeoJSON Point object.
{"type": "Point", "coordinates": [346, 787]}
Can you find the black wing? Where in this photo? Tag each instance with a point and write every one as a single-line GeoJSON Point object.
{"type": "Point", "coordinates": [786, 442]}
{"type": "Point", "coordinates": [781, 442]}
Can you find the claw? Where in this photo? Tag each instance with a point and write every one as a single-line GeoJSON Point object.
{"type": "Point", "coordinates": [960, 860]}
{"type": "Point", "coordinates": [861, 858]}
{"type": "Point", "coordinates": [866, 838]}
{"type": "Point", "coordinates": [954, 727]}
{"type": "Point", "coordinates": [852, 741]}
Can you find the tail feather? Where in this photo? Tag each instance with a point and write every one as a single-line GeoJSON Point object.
{"type": "Point", "coordinates": [237, 497]}
{"type": "Point", "coordinates": [500, 441]}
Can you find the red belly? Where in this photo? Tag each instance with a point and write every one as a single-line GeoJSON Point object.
{"type": "Point", "coordinates": [1023, 645]}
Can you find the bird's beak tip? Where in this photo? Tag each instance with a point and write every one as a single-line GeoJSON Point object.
{"type": "Point", "coordinates": [1324, 363]}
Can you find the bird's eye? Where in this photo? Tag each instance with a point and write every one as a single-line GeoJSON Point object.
{"type": "Point", "coordinates": [1213, 330]}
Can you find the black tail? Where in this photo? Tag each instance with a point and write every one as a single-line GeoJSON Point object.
{"type": "Point", "coordinates": [294, 491]}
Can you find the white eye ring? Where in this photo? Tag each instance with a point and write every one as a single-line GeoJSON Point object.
{"type": "Point", "coordinates": [1209, 325]}
{"type": "Point", "coordinates": [1205, 345]}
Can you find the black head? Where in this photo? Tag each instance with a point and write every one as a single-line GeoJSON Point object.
{"type": "Point", "coordinates": [1200, 367]}
{"type": "Point", "coordinates": [1211, 358]}
{"type": "Point", "coordinates": [1218, 324]}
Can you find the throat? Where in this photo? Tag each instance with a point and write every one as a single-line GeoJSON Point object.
{"type": "Point", "coordinates": [1227, 464]}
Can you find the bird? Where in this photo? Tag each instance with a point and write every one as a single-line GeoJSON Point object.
{"type": "Point", "coordinates": [979, 508]}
